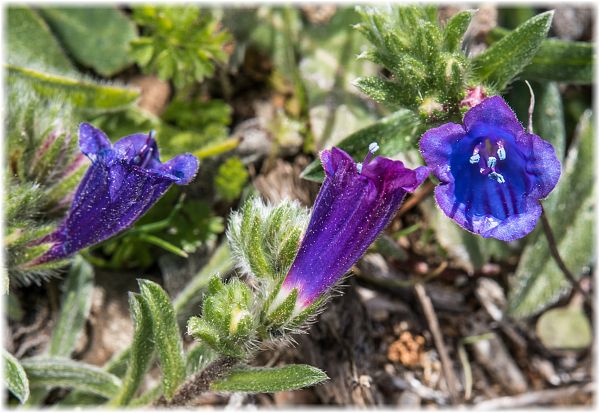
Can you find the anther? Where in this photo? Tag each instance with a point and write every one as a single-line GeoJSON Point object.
{"type": "Point", "coordinates": [373, 147]}
{"type": "Point", "coordinates": [491, 162]}
{"type": "Point", "coordinates": [475, 157]}
{"type": "Point", "coordinates": [501, 152]}
{"type": "Point", "coordinates": [498, 177]}
{"type": "Point", "coordinates": [359, 167]}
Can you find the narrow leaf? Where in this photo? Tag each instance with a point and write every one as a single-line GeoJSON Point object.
{"type": "Point", "coordinates": [506, 59]}
{"type": "Point", "coordinates": [62, 372]}
{"type": "Point", "coordinates": [76, 302]}
{"type": "Point", "coordinates": [269, 380]}
{"type": "Point", "coordinates": [15, 377]}
{"type": "Point", "coordinates": [167, 337]}
{"type": "Point", "coordinates": [394, 133]}
{"type": "Point", "coordinates": [80, 93]}
{"type": "Point", "coordinates": [558, 60]}
{"type": "Point", "coordinates": [142, 350]}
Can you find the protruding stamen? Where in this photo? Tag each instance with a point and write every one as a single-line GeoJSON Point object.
{"type": "Point", "coordinates": [147, 157]}
{"type": "Point", "coordinates": [373, 147]}
{"type": "Point", "coordinates": [498, 177]}
{"type": "Point", "coordinates": [491, 162]}
{"type": "Point", "coordinates": [501, 152]}
{"type": "Point", "coordinates": [474, 158]}
{"type": "Point", "coordinates": [146, 150]}
{"type": "Point", "coordinates": [359, 167]}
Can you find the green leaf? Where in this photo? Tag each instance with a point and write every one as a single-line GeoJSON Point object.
{"type": "Point", "coordinates": [30, 42]}
{"type": "Point", "coordinates": [455, 29]}
{"type": "Point", "coordinates": [269, 380]}
{"type": "Point", "coordinates": [394, 134]}
{"type": "Point", "coordinates": [80, 93]}
{"type": "Point", "coordinates": [538, 282]}
{"type": "Point", "coordinates": [142, 350]}
{"type": "Point", "coordinates": [95, 37]}
{"type": "Point", "coordinates": [167, 337]}
{"type": "Point", "coordinates": [15, 377]}
{"type": "Point", "coordinates": [76, 302]}
{"type": "Point", "coordinates": [564, 329]}
{"type": "Point", "coordinates": [505, 59]}
{"type": "Point", "coordinates": [63, 372]}
{"type": "Point", "coordinates": [558, 60]}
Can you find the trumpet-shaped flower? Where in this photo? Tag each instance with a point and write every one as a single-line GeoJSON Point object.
{"type": "Point", "coordinates": [354, 204]}
{"type": "Point", "coordinates": [493, 173]}
{"type": "Point", "coordinates": [123, 182]}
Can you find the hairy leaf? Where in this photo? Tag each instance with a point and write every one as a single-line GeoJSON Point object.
{"type": "Point", "coordinates": [80, 93]}
{"type": "Point", "coordinates": [269, 380]}
{"type": "Point", "coordinates": [558, 60]}
{"type": "Point", "coordinates": [505, 59]}
{"type": "Point", "coordinates": [14, 377]}
{"type": "Point", "coordinates": [142, 350]}
{"type": "Point", "coordinates": [76, 302]}
{"type": "Point", "coordinates": [63, 372]}
{"type": "Point", "coordinates": [167, 337]}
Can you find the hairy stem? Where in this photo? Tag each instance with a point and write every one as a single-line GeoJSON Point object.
{"type": "Point", "coordinates": [198, 383]}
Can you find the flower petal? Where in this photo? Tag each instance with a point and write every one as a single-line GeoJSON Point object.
{"type": "Point", "coordinates": [493, 112]}
{"type": "Point", "coordinates": [436, 146]}
{"type": "Point", "coordinates": [183, 167]}
{"type": "Point", "coordinates": [93, 142]}
{"type": "Point", "coordinates": [542, 164]}
{"type": "Point", "coordinates": [351, 209]}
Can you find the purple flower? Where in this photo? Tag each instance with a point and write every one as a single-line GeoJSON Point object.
{"type": "Point", "coordinates": [354, 205]}
{"type": "Point", "coordinates": [493, 173]}
{"type": "Point", "coordinates": [123, 182]}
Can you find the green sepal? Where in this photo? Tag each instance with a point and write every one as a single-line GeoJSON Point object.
{"type": "Point", "coordinates": [282, 313]}
{"type": "Point", "coordinates": [455, 29]}
{"type": "Point", "coordinates": [200, 329]}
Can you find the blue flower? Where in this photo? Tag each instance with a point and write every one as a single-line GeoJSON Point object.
{"type": "Point", "coordinates": [493, 173]}
{"type": "Point", "coordinates": [355, 203]}
{"type": "Point", "coordinates": [123, 182]}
